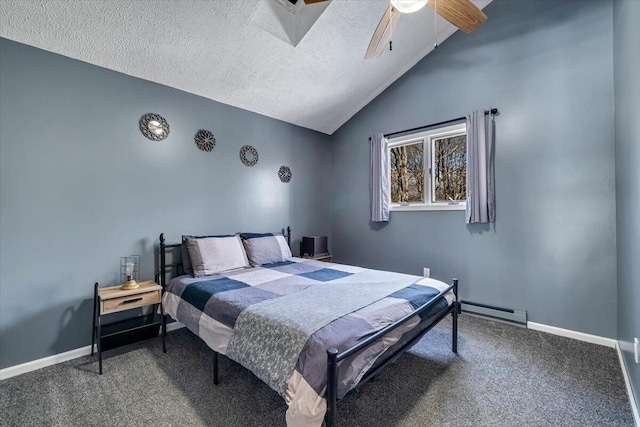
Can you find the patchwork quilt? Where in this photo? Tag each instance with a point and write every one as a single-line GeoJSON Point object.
{"type": "Point", "coordinates": [278, 320]}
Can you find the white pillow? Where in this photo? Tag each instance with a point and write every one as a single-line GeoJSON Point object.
{"type": "Point", "coordinates": [211, 255]}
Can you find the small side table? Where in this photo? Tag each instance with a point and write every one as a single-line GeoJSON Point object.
{"type": "Point", "coordinates": [323, 257]}
{"type": "Point", "coordinates": [133, 329]}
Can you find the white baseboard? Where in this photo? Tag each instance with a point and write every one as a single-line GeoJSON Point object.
{"type": "Point", "coordinates": [33, 365]}
{"type": "Point", "coordinates": [23, 368]}
{"type": "Point", "coordinates": [580, 336]}
{"type": "Point", "coordinates": [627, 382]}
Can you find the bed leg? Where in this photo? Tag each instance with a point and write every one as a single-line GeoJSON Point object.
{"type": "Point", "coordinates": [164, 330]}
{"type": "Point", "coordinates": [454, 344]}
{"type": "Point", "coordinates": [95, 306]}
{"type": "Point", "coordinates": [215, 368]}
{"type": "Point", "coordinates": [454, 332]}
{"type": "Point", "coordinates": [161, 280]}
{"type": "Point", "coordinates": [332, 386]}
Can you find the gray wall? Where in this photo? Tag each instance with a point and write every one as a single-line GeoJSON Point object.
{"type": "Point", "coordinates": [627, 102]}
{"type": "Point", "coordinates": [80, 186]}
{"type": "Point", "coordinates": [548, 67]}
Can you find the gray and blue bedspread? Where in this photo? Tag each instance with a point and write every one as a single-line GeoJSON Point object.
{"type": "Point", "coordinates": [278, 320]}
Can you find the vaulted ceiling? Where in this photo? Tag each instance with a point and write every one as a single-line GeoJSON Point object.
{"type": "Point", "coordinates": [238, 52]}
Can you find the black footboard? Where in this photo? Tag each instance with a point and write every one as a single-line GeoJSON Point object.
{"type": "Point", "coordinates": [334, 356]}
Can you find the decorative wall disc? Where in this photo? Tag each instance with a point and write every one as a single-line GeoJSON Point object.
{"type": "Point", "coordinates": [248, 155]}
{"type": "Point", "coordinates": [154, 126]}
{"type": "Point", "coordinates": [205, 140]}
{"type": "Point", "coordinates": [284, 173]}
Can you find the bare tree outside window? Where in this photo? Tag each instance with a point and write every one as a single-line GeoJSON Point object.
{"type": "Point", "coordinates": [450, 169]}
{"type": "Point", "coordinates": [428, 170]}
{"type": "Point", "coordinates": [407, 173]}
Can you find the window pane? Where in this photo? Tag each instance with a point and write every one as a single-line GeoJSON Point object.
{"type": "Point", "coordinates": [407, 173]}
{"type": "Point", "coordinates": [450, 169]}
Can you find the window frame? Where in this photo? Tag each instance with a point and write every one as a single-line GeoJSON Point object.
{"type": "Point", "coordinates": [427, 137]}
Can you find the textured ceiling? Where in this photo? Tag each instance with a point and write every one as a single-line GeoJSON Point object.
{"type": "Point", "coordinates": [215, 49]}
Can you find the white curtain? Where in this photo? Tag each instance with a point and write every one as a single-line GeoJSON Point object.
{"type": "Point", "coordinates": [481, 196]}
{"type": "Point", "coordinates": [379, 180]}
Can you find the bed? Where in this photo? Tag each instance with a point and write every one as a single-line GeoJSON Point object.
{"type": "Point", "coordinates": [311, 330]}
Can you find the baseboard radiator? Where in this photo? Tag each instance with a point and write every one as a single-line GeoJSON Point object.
{"type": "Point", "coordinates": [518, 317]}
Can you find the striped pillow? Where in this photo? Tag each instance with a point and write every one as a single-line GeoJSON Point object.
{"type": "Point", "coordinates": [211, 255]}
{"type": "Point", "coordinates": [265, 248]}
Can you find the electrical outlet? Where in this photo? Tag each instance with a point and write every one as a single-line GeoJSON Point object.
{"type": "Point", "coordinates": [426, 272]}
{"type": "Point", "coordinates": [636, 356]}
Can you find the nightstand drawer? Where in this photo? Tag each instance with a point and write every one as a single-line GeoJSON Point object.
{"type": "Point", "coordinates": [131, 301]}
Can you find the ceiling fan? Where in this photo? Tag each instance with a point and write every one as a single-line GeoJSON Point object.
{"type": "Point", "coordinates": [461, 13]}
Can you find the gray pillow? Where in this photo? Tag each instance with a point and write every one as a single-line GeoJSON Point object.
{"type": "Point", "coordinates": [186, 261]}
{"type": "Point", "coordinates": [265, 248]}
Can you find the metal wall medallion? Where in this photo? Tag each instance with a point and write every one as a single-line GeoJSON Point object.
{"type": "Point", "coordinates": [205, 140]}
{"type": "Point", "coordinates": [284, 173]}
{"type": "Point", "coordinates": [248, 155]}
{"type": "Point", "coordinates": [154, 126]}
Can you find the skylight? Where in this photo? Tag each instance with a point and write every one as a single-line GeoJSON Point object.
{"type": "Point", "coordinates": [288, 20]}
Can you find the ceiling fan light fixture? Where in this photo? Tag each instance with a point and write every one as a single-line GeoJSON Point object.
{"type": "Point", "coordinates": [408, 6]}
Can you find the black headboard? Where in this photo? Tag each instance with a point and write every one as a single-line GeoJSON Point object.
{"type": "Point", "coordinates": [174, 267]}
{"type": "Point", "coordinates": [287, 235]}
{"type": "Point", "coordinates": [161, 277]}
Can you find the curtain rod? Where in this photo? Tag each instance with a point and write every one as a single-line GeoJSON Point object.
{"type": "Point", "coordinates": [386, 135]}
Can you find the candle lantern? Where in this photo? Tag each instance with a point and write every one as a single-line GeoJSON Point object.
{"type": "Point", "coordinates": [130, 271]}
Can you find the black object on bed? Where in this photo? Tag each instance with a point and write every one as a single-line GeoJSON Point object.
{"type": "Point", "coordinates": [429, 309]}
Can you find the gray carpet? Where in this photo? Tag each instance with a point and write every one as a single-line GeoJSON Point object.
{"type": "Point", "coordinates": [502, 376]}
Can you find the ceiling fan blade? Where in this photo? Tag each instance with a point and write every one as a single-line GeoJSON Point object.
{"type": "Point", "coordinates": [383, 33]}
{"type": "Point", "coordinates": [313, 1]}
{"type": "Point", "coordinates": [461, 13]}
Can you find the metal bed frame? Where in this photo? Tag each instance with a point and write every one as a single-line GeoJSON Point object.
{"type": "Point", "coordinates": [334, 357]}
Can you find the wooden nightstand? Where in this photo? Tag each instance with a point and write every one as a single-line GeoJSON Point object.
{"type": "Point", "coordinates": [324, 257]}
{"type": "Point", "coordinates": [111, 300]}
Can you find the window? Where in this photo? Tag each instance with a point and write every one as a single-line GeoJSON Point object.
{"type": "Point", "coordinates": [428, 170]}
